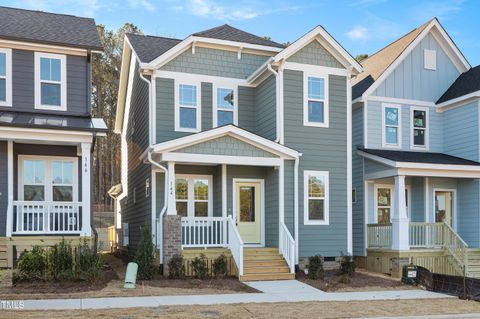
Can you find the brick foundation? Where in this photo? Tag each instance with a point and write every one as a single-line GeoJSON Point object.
{"type": "Point", "coordinates": [172, 239]}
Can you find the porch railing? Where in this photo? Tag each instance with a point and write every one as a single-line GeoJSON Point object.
{"type": "Point", "coordinates": [287, 247]}
{"type": "Point", "coordinates": [427, 235]}
{"type": "Point", "coordinates": [204, 232]}
{"type": "Point", "coordinates": [35, 217]}
{"type": "Point", "coordinates": [379, 235]}
{"type": "Point", "coordinates": [235, 243]}
{"type": "Point", "coordinates": [457, 248]}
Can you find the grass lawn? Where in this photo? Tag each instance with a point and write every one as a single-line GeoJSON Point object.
{"type": "Point", "coordinates": [357, 309]}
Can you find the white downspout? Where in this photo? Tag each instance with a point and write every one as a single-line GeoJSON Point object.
{"type": "Point", "coordinates": [277, 101]}
{"type": "Point", "coordinates": [295, 207]}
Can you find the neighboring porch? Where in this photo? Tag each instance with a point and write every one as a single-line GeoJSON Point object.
{"type": "Point", "coordinates": [425, 213]}
{"type": "Point", "coordinates": [233, 201]}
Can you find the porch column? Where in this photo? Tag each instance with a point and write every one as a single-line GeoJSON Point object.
{"type": "Point", "coordinates": [86, 189]}
{"type": "Point", "coordinates": [9, 189]}
{"type": "Point", "coordinates": [400, 231]}
{"type": "Point", "coordinates": [171, 208]}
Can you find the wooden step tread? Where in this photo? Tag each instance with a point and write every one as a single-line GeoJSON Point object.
{"type": "Point", "coordinates": [261, 263]}
{"type": "Point", "coordinates": [265, 270]}
{"type": "Point", "coordinates": [258, 277]}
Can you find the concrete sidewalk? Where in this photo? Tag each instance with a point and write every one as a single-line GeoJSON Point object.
{"type": "Point", "coordinates": [274, 291]}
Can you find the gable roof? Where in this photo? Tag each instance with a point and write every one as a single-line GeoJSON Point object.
{"type": "Point", "coordinates": [148, 47]}
{"type": "Point", "coordinates": [376, 64]}
{"type": "Point", "coordinates": [466, 83]}
{"type": "Point", "coordinates": [229, 33]}
{"type": "Point", "coordinates": [49, 28]}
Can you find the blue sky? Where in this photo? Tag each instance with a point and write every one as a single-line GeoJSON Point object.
{"type": "Point", "coordinates": [361, 26]}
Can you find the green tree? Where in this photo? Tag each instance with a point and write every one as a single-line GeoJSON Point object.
{"type": "Point", "coordinates": [361, 57]}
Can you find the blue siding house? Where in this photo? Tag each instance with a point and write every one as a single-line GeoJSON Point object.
{"type": "Point", "coordinates": [237, 144]}
{"type": "Point", "coordinates": [416, 156]}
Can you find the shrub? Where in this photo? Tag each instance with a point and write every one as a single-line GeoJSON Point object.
{"type": "Point", "coordinates": [200, 267]}
{"type": "Point", "coordinates": [220, 266]}
{"type": "Point", "coordinates": [90, 263]}
{"type": "Point", "coordinates": [31, 265]}
{"type": "Point", "coordinates": [347, 265]}
{"type": "Point", "coordinates": [144, 257]}
{"type": "Point", "coordinates": [315, 267]}
{"type": "Point", "coordinates": [176, 268]}
{"type": "Point", "coordinates": [344, 279]}
{"type": "Point", "coordinates": [60, 262]}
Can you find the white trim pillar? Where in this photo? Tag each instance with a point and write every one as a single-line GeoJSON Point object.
{"type": "Point", "coordinates": [400, 222]}
{"type": "Point", "coordinates": [224, 190]}
{"type": "Point", "coordinates": [171, 208]}
{"type": "Point", "coordinates": [86, 188]}
{"type": "Point", "coordinates": [9, 221]}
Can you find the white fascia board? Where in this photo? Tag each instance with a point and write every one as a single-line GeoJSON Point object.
{"type": "Point", "coordinates": [316, 69]}
{"type": "Point", "coordinates": [311, 35]}
{"type": "Point", "coordinates": [45, 135]}
{"type": "Point", "coordinates": [122, 91]}
{"type": "Point", "coordinates": [259, 71]}
{"type": "Point", "coordinates": [386, 99]}
{"type": "Point", "coordinates": [237, 132]}
{"type": "Point", "coordinates": [457, 101]}
{"type": "Point", "coordinates": [220, 159]}
{"type": "Point", "coordinates": [409, 49]}
{"type": "Point", "coordinates": [377, 158]}
{"type": "Point", "coordinates": [439, 173]}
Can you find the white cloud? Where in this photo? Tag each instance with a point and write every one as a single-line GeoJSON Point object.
{"type": "Point", "coordinates": [358, 33]}
{"type": "Point", "coordinates": [145, 4]}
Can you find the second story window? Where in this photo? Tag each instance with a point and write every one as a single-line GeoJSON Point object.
{"type": "Point", "coordinates": [50, 82]}
{"type": "Point", "coordinates": [391, 118]}
{"type": "Point", "coordinates": [5, 77]}
{"type": "Point", "coordinates": [419, 133]}
{"type": "Point", "coordinates": [225, 107]}
{"type": "Point", "coordinates": [187, 108]}
{"type": "Point", "coordinates": [315, 112]}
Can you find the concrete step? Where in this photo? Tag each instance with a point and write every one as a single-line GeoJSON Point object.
{"type": "Point", "coordinates": [259, 277]}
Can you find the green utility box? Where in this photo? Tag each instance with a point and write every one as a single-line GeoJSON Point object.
{"type": "Point", "coordinates": [131, 275]}
{"type": "Point", "coordinates": [409, 274]}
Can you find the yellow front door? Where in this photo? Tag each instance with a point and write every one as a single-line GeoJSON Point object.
{"type": "Point", "coordinates": [248, 211]}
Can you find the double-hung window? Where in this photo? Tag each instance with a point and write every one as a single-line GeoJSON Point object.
{"type": "Point", "coordinates": [419, 133]}
{"type": "Point", "coordinates": [315, 109]}
{"type": "Point", "coordinates": [50, 81]}
{"type": "Point", "coordinates": [391, 122]}
{"type": "Point", "coordinates": [316, 198]}
{"type": "Point", "coordinates": [225, 106]}
{"type": "Point", "coordinates": [193, 195]}
{"type": "Point", "coordinates": [383, 204]}
{"type": "Point", "coordinates": [187, 107]}
{"type": "Point", "coordinates": [5, 77]}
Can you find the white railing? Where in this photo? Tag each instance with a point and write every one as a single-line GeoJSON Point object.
{"type": "Point", "coordinates": [47, 217]}
{"type": "Point", "coordinates": [426, 235]}
{"type": "Point", "coordinates": [379, 235]}
{"type": "Point", "coordinates": [457, 248]}
{"type": "Point", "coordinates": [204, 232]}
{"type": "Point", "coordinates": [287, 247]}
{"type": "Point", "coordinates": [235, 244]}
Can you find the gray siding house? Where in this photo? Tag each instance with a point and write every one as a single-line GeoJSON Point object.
{"type": "Point", "coordinates": [416, 156]}
{"type": "Point", "coordinates": [234, 142]}
{"type": "Point", "coordinates": [46, 131]}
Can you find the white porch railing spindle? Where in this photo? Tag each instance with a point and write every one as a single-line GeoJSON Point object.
{"type": "Point", "coordinates": [287, 247]}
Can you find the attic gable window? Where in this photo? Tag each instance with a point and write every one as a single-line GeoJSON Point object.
{"type": "Point", "coordinates": [187, 107]}
{"type": "Point", "coordinates": [50, 81]}
{"type": "Point", "coordinates": [5, 77]}
{"type": "Point", "coordinates": [430, 59]}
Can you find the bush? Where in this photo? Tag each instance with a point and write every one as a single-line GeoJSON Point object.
{"type": "Point", "coordinates": [31, 265]}
{"type": "Point", "coordinates": [200, 267]}
{"type": "Point", "coordinates": [60, 262]}
{"type": "Point", "coordinates": [144, 257]}
{"type": "Point", "coordinates": [315, 267]}
{"type": "Point", "coordinates": [176, 269]}
{"type": "Point", "coordinates": [90, 264]}
{"type": "Point", "coordinates": [220, 266]}
{"type": "Point", "coordinates": [347, 265]}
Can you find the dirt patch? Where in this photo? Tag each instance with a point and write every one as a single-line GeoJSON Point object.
{"type": "Point", "coordinates": [320, 310]}
{"type": "Point", "coordinates": [360, 281]}
{"type": "Point", "coordinates": [225, 284]}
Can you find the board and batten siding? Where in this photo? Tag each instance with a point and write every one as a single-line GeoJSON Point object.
{"type": "Point", "coordinates": [137, 213]}
{"type": "Point", "coordinates": [358, 219]}
{"type": "Point", "coordinates": [410, 80]}
{"type": "Point", "coordinates": [323, 149]}
{"type": "Point", "coordinates": [375, 127]}
{"type": "Point", "coordinates": [216, 62]}
{"type": "Point", "coordinates": [314, 53]}
{"type": "Point", "coordinates": [461, 131]}
{"type": "Point", "coordinates": [3, 187]}
{"type": "Point", "coordinates": [23, 85]}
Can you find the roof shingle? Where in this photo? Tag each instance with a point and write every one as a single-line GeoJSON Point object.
{"type": "Point", "coordinates": [467, 82]}
{"type": "Point", "coordinates": [148, 47]}
{"type": "Point", "coordinates": [48, 28]}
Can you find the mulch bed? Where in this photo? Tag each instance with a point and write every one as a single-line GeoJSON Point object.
{"type": "Point", "coordinates": [335, 281]}
{"type": "Point", "coordinates": [227, 283]}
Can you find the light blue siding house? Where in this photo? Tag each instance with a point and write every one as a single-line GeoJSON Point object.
{"type": "Point", "coordinates": [231, 141]}
{"type": "Point", "coordinates": [416, 156]}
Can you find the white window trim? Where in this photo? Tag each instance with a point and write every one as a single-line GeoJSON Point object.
{"type": "Point", "coordinates": [63, 82]}
{"type": "Point", "coordinates": [425, 147]}
{"type": "Point", "coordinates": [375, 200]}
{"type": "Point", "coordinates": [48, 175]}
{"type": "Point", "coordinates": [191, 192]}
{"type": "Point", "coordinates": [306, 122]}
{"type": "Point", "coordinates": [306, 219]}
{"type": "Point", "coordinates": [198, 85]}
{"type": "Point", "coordinates": [384, 126]}
{"type": "Point", "coordinates": [8, 77]}
{"type": "Point", "coordinates": [215, 110]}
{"type": "Point", "coordinates": [430, 59]}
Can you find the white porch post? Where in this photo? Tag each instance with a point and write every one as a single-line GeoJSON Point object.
{"type": "Point", "coordinates": [10, 189]}
{"type": "Point", "coordinates": [171, 208]}
{"type": "Point", "coordinates": [86, 189]}
{"type": "Point", "coordinates": [400, 227]}
{"type": "Point", "coordinates": [224, 202]}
